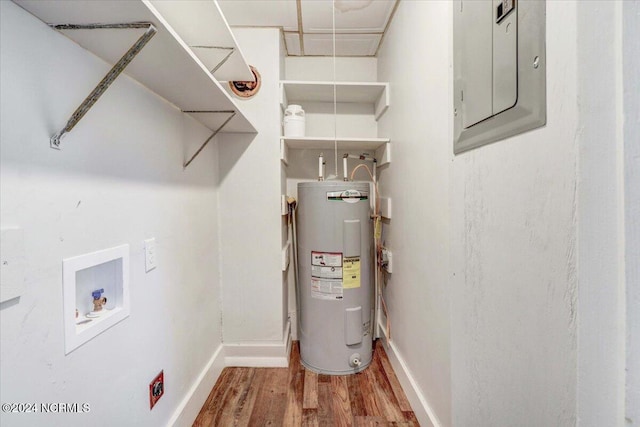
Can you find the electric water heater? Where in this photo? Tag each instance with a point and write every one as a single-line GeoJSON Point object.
{"type": "Point", "coordinates": [335, 276]}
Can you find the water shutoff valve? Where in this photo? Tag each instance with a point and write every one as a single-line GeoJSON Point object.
{"type": "Point", "coordinates": [98, 300]}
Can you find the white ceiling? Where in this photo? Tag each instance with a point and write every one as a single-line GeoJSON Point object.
{"type": "Point", "coordinates": [308, 25]}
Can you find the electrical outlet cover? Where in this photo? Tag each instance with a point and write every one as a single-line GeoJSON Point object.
{"type": "Point", "coordinates": [156, 389]}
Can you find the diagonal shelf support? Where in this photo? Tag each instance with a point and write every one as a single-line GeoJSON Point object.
{"type": "Point", "coordinates": [223, 60]}
{"type": "Point", "coordinates": [115, 71]}
{"type": "Point", "coordinates": [215, 132]}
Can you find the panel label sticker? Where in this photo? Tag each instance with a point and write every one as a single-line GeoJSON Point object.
{"type": "Point", "coordinates": [326, 272]}
{"type": "Point", "coordinates": [326, 275]}
{"type": "Point", "coordinates": [351, 271]}
{"type": "Point", "coordinates": [326, 289]}
{"type": "Point", "coordinates": [326, 259]}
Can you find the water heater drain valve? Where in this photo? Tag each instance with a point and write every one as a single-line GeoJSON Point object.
{"type": "Point", "coordinates": [355, 360]}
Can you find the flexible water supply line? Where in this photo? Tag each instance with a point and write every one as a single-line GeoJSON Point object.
{"type": "Point", "coordinates": [375, 186]}
{"type": "Point", "coordinates": [345, 167]}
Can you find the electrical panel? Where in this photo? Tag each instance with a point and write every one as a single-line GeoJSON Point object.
{"type": "Point", "coordinates": [499, 70]}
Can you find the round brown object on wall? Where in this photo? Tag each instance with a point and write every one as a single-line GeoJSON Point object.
{"type": "Point", "coordinates": [247, 89]}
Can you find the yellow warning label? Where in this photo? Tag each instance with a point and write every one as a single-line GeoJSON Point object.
{"type": "Point", "coordinates": [351, 272]}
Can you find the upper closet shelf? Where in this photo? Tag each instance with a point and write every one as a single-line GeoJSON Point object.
{"type": "Point", "coordinates": [205, 30]}
{"type": "Point", "coordinates": [167, 65]}
{"type": "Point", "coordinates": [326, 143]}
{"type": "Point", "coordinates": [292, 92]}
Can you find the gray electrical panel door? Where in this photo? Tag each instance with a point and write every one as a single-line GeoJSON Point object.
{"type": "Point", "coordinates": [476, 61]}
{"type": "Point", "coordinates": [499, 70]}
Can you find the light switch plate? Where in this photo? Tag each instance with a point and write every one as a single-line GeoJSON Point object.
{"type": "Point", "coordinates": [150, 260]}
{"type": "Point", "coordinates": [12, 272]}
{"type": "Point", "coordinates": [491, 101]}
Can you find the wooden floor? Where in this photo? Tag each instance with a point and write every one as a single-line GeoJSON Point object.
{"type": "Point", "coordinates": [295, 396]}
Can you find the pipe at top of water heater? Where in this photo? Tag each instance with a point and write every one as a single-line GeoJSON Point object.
{"type": "Point", "coordinates": [344, 167]}
{"type": "Point", "coordinates": [359, 157]}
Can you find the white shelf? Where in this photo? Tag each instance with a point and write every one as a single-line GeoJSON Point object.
{"type": "Point", "coordinates": [298, 92]}
{"type": "Point", "coordinates": [166, 65]}
{"type": "Point", "coordinates": [204, 28]}
{"type": "Point", "coordinates": [325, 143]}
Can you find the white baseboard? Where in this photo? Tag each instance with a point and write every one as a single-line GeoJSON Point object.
{"type": "Point", "coordinates": [425, 415]}
{"type": "Point", "coordinates": [268, 355]}
{"type": "Point", "coordinates": [260, 355]}
{"type": "Point", "coordinates": [264, 355]}
{"type": "Point", "coordinates": [190, 406]}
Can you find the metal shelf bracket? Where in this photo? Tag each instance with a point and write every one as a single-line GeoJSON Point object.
{"type": "Point", "coordinates": [215, 132]}
{"type": "Point", "coordinates": [115, 71]}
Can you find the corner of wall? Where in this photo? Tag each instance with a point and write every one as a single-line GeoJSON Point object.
{"type": "Point", "coordinates": [249, 196]}
{"type": "Point", "coordinates": [259, 354]}
{"type": "Point", "coordinates": [423, 411]}
{"type": "Point", "coordinates": [194, 400]}
{"type": "Point", "coordinates": [600, 215]}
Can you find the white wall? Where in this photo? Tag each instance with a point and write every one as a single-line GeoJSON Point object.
{"type": "Point", "coordinates": [322, 69]}
{"type": "Point", "coordinates": [417, 293]}
{"type": "Point", "coordinates": [631, 95]}
{"type": "Point", "coordinates": [537, 228]}
{"type": "Point", "coordinates": [600, 219]}
{"type": "Point", "coordinates": [514, 296]}
{"type": "Point", "coordinates": [249, 197]}
{"type": "Point", "coordinates": [119, 179]}
{"type": "Point", "coordinates": [286, 232]}
{"type": "Point", "coordinates": [483, 298]}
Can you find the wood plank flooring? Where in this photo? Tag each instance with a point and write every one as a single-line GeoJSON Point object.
{"type": "Point", "coordinates": [295, 396]}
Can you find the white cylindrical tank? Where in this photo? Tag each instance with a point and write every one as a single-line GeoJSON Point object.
{"type": "Point", "coordinates": [294, 121]}
{"type": "Point", "coordinates": [335, 276]}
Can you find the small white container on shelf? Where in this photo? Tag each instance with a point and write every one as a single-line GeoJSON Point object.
{"type": "Point", "coordinates": [294, 121]}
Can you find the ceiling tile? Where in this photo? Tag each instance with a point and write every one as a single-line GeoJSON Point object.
{"type": "Point", "coordinates": [261, 13]}
{"type": "Point", "coordinates": [359, 23]}
{"type": "Point", "coordinates": [352, 16]}
{"type": "Point", "coordinates": [346, 44]}
{"type": "Point", "coordinates": [292, 41]}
